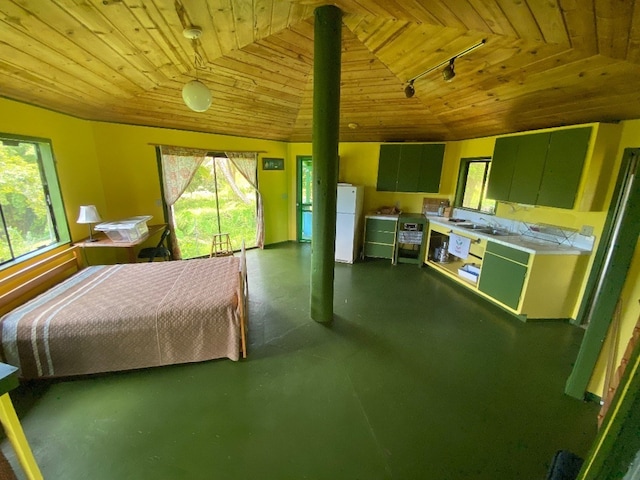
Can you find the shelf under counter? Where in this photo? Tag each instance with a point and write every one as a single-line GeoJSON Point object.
{"type": "Point", "coordinates": [542, 285]}
{"type": "Point", "coordinates": [521, 242]}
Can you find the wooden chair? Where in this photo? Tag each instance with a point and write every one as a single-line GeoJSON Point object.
{"type": "Point", "coordinates": [221, 246]}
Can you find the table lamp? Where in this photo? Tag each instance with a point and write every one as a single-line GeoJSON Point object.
{"type": "Point", "coordinates": [89, 214]}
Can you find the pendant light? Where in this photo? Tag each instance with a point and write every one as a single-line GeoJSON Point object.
{"type": "Point", "coordinates": [196, 95]}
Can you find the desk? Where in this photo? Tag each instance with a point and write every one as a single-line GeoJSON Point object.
{"type": "Point", "coordinates": [11, 424]}
{"type": "Point", "coordinates": [102, 241]}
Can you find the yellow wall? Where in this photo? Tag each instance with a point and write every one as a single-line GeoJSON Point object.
{"type": "Point", "coordinates": [128, 166]}
{"type": "Point", "coordinates": [359, 166]}
{"type": "Point", "coordinates": [630, 306]}
{"type": "Point", "coordinates": [113, 166]}
{"type": "Point", "coordinates": [74, 148]}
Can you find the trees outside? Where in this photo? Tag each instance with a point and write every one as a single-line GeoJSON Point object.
{"type": "Point", "coordinates": [200, 213]}
{"type": "Point", "coordinates": [26, 222]}
{"type": "Point", "coordinates": [475, 189]}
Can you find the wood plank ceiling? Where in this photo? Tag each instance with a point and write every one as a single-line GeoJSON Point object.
{"type": "Point", "coordinates": [545, 63]}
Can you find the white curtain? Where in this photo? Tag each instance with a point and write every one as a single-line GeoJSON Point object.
{"type": "Point", "coordinates": [247, 165]}
{"type": "Point", "coordinates": [179, 165]}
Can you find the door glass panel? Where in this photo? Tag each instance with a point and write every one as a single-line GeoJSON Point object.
{"type": "Point", "coordinates": [237, 205]}
{"type": "Point", "coordinates": [218, 200]}
{"type": "Point", "coordinates": [305, 198]}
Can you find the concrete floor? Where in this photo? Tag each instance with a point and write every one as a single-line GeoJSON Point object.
{"type": "Point", "coordinates": [417, 378]}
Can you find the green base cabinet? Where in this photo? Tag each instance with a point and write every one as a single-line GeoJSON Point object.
{"type": "Point", "coordinates": [380, 236]}
{"type": "Point", "coordinates": [530, 285]}
{"type": "Point", "coordinates": [502, 279]}
{"type": "Point", "coordinates": [503, 274]}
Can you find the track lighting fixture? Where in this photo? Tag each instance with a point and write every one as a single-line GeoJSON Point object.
{"type": "Point", "coordinates": [409, 90]}
{"type": "Point", "coordinates": [448, 73]}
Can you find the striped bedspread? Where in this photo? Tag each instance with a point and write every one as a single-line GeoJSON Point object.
{"type": "Point", "coordinates": [120, 317]}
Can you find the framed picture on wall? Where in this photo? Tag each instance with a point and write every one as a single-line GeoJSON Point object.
{"type": "Point", "coordinates": [273, 163]}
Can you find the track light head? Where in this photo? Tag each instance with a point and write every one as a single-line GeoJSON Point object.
{"type": "Point", "coordinates": [448, 73]}
{"type": "Point", "coordinates": [409, 90]}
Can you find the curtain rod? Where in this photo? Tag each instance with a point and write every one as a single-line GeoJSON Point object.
{"type": "Point", "coordinates": [208, 149]}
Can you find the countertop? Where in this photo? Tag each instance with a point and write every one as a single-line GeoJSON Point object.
{"type": "Point", "coordinates": [383, 216]}
{"type": "Point", "coordinates": [521, 242]}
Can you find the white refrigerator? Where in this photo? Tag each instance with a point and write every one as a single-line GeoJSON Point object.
{"type": "Point", "coordinates": [349, 222]}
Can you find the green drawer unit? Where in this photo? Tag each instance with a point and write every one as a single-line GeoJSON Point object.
{"type": "Point", "coordinates": [378, 250]}
{"type": "Point", "coordinates": [508, 252]}
{"type": "Point", "coordinates": [380, 237]}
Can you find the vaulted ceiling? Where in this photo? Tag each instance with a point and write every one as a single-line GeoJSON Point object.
{"type": "Point", "coordinates": [545, 63]}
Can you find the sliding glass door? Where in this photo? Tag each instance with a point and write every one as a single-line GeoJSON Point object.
{"type": "Point", "coordinates": [218, 200]}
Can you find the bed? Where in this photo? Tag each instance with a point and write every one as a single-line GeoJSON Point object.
{"type": "Point", "coordinates": [122, 317]}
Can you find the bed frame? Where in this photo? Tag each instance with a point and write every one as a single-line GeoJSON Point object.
{"type": "Point", "coordinates": [29, 281]}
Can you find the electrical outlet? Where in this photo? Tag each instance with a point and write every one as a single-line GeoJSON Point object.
{"type": "Point", "coordinates": [586, 230]}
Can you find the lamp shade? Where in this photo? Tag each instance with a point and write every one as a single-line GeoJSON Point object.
{"type": "Point", "coordinates": [196, 96]}
{"type": "Point", "coordinates": [88, 214]}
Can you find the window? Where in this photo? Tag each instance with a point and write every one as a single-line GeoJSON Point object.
{"type": "Point", "coordinates": [31, 211]}
{"type": "Point", "coordinates": [472, 185]}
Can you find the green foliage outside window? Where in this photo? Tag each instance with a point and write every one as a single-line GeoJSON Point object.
{"type": "Point", "coordinates": [474, 174]}
{"type": "Point", "coordinates": [199, 209]}
{"type": "Point", "coordinates": [26, 221]}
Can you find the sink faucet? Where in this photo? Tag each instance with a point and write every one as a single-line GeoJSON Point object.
{"type": "Point", "coordinates": [491, 223]}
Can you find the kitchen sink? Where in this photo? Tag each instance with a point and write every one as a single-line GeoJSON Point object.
{"type": "Point", "coordinates": [476, 226]}
{"type": "Point", "coordinates": [486, 229]}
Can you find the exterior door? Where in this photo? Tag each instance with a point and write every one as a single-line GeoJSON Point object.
{"type": "Point", "coordinates": [304, 198]}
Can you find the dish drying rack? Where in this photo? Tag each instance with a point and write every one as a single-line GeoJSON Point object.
{"type": "Point", "coordinates": [550, 233]}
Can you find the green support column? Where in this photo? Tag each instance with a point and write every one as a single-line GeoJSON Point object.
{"type": "Point", "coordinates": [326, 121]}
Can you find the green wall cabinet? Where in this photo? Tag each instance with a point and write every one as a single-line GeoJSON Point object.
{"type": "Point", "coordinates": [527, 174]}
{"type": "Point", "coordinates": [540, 168]}
{"type": "Point", "coordinates": [502, 165]}
{"type": "Point", "coordinates": [504, 270]}
{"type": "Point", "coordinates": [563, 167]}
{"type": "Point", "coordinates": [410, 167]}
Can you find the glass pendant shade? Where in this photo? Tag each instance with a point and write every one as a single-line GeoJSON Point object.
{"type": "Point", "coordinates": [196, 96]}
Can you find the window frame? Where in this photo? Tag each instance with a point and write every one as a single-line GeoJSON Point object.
{"type": "Point", "coordinates": [463, 173]}
{"type": "Point", "coordinates": [49, 178]}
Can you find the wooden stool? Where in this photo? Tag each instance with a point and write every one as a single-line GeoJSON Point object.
{"type": "Point", "coordinates": [221, 245]}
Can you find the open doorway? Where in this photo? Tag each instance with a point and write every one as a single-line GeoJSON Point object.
{"type": "Point", "coordinates": [217, 200]}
